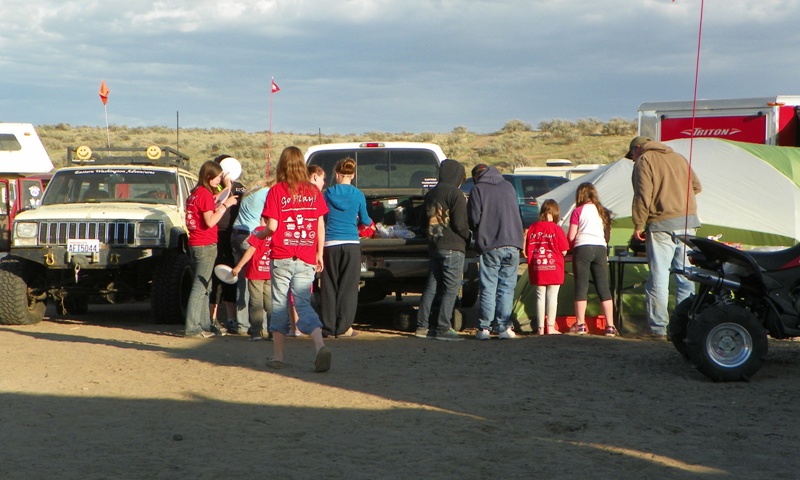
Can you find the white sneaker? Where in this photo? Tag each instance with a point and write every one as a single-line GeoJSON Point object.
{"type": "Point", "coordinates": [483, 334]}
{"type": "Point", "coordinates": [508, 333]}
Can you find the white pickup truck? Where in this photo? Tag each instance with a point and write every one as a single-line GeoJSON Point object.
{"type": "Point", "coordinates": [394, 177]}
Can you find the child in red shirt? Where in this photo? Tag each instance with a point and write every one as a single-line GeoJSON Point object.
{"type": "Point", "coordinates": [545, 246]}
{"type": "Point", "coordinates": [258, 281]}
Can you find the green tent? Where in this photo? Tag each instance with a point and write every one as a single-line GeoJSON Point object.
{"type": "Point", "coordinates": [751, 193]}
{"type": "Point", "coordinates": [751, 196]}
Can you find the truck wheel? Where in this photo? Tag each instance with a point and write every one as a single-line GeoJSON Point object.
{"type": "Point", "coordinates": [471, 286]}
{"type": "Point", "coordinates": [18, 305]}
{"type": "Point", "coordinates": [172, 284]}
{"type": "Point", "coordinates": [73, 305]}
{"type": "Point", "coordinates": [458, 320]}
{"type": "Point", "coordinates": [404, 319]}
{"type": "Point", "coordinates": [371, 293]}
{"type": "Point", "coordinates": [727, 343]}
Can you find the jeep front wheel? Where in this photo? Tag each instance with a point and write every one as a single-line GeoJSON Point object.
{"type": "Point", "coordinates": [172, 284]}
{"type": "Point", "coordinates": [18, 306]}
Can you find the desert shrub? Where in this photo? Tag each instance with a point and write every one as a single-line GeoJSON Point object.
{"type": "Point", "coordinates": [620, 126]}
{"type": "Point", "coordinates": [516, 126]}
{"type": "Point", "coordinates": [518, 159]}
{"type": "Point", "coordinates": [558, 127]}
{"type": "Point", "coordinates": [518, 141]}
{"type": "Point", "coordinates": [589, 126]}
{"type": "Point", "coordinates": [571, 137]}
{"type": "Point", "coordinates": [376, 136]}
{"type": "Point", "coordinates": [491, 149]}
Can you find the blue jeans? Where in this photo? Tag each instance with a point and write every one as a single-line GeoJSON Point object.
{"type": "Point", "coordinates": [198, 316]}
{"type": "Point", "coordinates": [498, 276]}
{"type": "Point", "coordinates": [297, 276]}
{"type": "Point", "coordinates": [444, 282]}
{"type": "Point", "coordinates": [240, 245]}
{"type": "Point", "coordinates": [663, 253]}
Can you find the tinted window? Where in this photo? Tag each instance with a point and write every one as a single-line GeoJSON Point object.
{"type": "Point", "coordinates": [106, 184]}
{"type": "Point", "coordinates": [383, 168]}
{"type": "Point", "coordinates": [9, 143]}
{"type": "Point", "coordinates": [535, 186]}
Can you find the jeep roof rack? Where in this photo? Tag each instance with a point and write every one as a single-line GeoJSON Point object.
{"type": "Point", "coordinates": [152, 155]}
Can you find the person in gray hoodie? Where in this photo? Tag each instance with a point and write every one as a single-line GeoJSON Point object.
{"type": "Point", "coordinates": [493, 212]}
{"type": "Point", "coordinates": [448, 236]}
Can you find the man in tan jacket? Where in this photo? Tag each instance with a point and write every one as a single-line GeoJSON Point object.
{"type": "Point", "coordinates": [664, 203]}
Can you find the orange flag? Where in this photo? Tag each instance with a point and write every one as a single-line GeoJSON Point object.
{"type": "Point", "coordinates": [104, 92]}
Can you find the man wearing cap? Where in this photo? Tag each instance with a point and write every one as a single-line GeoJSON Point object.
{"type": "Point", "coordinates": [493, 212]}
{"type": "Point", "coordinates": [662, 206]}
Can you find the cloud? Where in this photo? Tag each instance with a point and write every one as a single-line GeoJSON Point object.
{"type": "Point", "coordinates": [367, 65]}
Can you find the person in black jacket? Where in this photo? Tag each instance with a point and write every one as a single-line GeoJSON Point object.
{"type": "Point", "coordinates": [448, 236]}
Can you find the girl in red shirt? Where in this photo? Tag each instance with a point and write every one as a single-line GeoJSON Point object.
{"type": "Point", "coordinates": [545, 246]}
{"type": "Point", "coordinates": [202, 215]}
{"type": "Point", "coordinates": [294, 213]}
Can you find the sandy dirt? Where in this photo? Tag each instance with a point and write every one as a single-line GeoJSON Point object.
{"type": "Point", "coordinates": [110, 395]}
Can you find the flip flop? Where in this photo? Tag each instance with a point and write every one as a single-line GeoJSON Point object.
{"type": "Point", "coordinates": [352, 333]}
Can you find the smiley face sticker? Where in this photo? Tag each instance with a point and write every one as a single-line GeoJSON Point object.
{"type": "Point", "coordinates": [153, 152]}
{"type": "Point", "coordinates": [83, 152]}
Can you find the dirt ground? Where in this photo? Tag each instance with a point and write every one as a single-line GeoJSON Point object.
{"type": "Point", "coordinates": [110, 395]}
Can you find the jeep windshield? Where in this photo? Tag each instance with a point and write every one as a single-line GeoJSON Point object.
{"type": "Point", "coordinates": [383, 169]}
{"type": "Point", "coordinates": [103, 184]}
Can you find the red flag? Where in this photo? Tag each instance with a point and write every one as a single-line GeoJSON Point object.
{"type": "Point", "coordinates": [275, 87]}
{"type": "Point", "coordinates": [104, 92]}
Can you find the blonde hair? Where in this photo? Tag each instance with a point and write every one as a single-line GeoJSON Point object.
{"type": "Point", "coordinates": [258, 185]}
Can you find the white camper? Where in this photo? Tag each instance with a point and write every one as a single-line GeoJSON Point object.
{"type": "Point", "coordinates": [21, 150]}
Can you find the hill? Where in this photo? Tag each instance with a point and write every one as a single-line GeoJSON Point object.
{"type": "Point", "coordinates": [516, 144]}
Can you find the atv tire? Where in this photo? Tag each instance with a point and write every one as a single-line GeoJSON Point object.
{"type": "Point", "coordinates": [727, 343]}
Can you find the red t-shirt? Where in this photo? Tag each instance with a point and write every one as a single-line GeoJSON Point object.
{"type": "Point", "coordinates": [298, 218]}
{"type": "Point", "coordinates": [544, 244]}
{"type": "Point", "coordinates": [258, 266]}
{"type": "Point", "coordinates": [200, 234]}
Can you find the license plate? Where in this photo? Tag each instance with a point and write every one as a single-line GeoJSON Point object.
{"type": "Point", "coordinates": [83, 246]}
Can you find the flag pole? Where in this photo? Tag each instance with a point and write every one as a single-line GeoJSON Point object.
{"type": "Point", "coordinates": [269, 132]}
{"type": "Point", "coordinates": [273, 88]}
{"type": "Point", "coordinates": [108, 134]}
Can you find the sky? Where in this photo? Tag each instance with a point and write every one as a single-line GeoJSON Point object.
{"type": "Point", "coordinates": [358, 66]}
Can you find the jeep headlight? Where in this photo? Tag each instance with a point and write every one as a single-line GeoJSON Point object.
{"type": "Point", "coordinates": [25, 234]}
{"type": "Point", "coordinates": [149, 230]}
